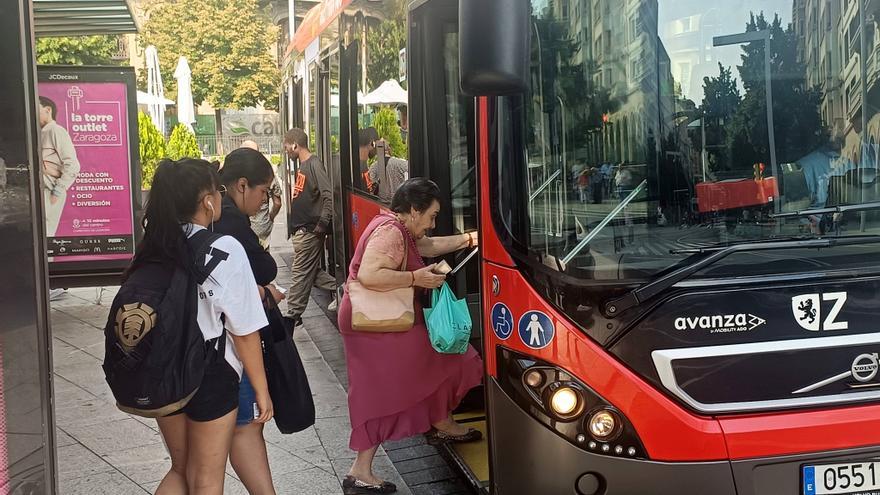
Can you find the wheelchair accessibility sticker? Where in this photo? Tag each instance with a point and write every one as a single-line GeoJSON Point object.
{"type": "Point", "coordinates": [536, 329]}
{"type": "Point", "coordinates": [502, 321]}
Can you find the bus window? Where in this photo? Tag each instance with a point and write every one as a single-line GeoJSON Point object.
{"type": "Point", "coordinates": [644, 137]}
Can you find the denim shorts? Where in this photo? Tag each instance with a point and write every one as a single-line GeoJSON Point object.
{"type": "Point", "coordinates": [247, 402]}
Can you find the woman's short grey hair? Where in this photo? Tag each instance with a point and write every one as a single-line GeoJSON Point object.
{"type": "Point", "coordinates": [417, 193]}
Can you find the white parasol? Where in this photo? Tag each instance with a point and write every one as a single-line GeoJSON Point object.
{"type": "Point", "coordinates": [147, 99]}
{"type": "Point", "coordinates": [388, 93]}
{"type": "Point", "coordinates": [155, 89]}
{"type": "Point", "coordinates": [186, 112]}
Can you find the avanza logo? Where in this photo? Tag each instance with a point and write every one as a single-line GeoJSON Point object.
{"type": "Point", "coordinates": [741, 322]}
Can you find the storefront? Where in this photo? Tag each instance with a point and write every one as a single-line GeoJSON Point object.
{"type": "Point", "coordinates": [27, 431]}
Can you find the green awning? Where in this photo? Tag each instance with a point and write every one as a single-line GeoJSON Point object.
{"type": "Point", "coordinates": [83, 17]}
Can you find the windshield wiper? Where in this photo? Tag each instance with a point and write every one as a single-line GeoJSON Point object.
{"type": "Point", "coordinates": [831, 209]}
{"type": "Point", "coordinates": [647, 291]}
{"type": "Point", "coordinates": [605, 221]}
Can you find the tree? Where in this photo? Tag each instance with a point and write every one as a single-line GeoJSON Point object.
{"type": "Point", "coordinates": [797, 122]}
{"type": "Point", "coordinates": [562, 78]}
{"type": "Point", "coordinates": [77, 50]}
{"type": "Point", "coordinates": [182, 144]}
{"type": "Point", "coordinates": [721, 99]}
{"type": "Point", "coordinates": [228, 44]}
{"type": "Point", "coordinates": [384, 43]}
{"type": "Point", "coordinates": [151, 148]}
{"type": "Point", "coordinates": [385, 122]}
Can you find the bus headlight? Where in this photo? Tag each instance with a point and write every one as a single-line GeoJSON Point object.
{"type": "Point", "coordinates": [565, 401]}
{"type": "Point", "coordinates": [603, 425]}
{"type": "Point", "coordinates": [566, 405]}
{"type": "Point", "coordinates": [534, 378]}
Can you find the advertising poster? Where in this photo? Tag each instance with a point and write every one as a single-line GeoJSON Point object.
{"type": "Point", "coordinates": [91, 181]}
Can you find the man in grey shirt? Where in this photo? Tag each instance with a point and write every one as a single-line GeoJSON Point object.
{"type": "Point", "coordinates": [387, 173]}
{"type": "Point", "coordinates": [311, 212]}
{"type": "Point", "coordinates": [60, 164]}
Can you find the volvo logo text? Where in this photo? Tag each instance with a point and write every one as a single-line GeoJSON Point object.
{"type": "Point", "coordinates": [864, 368]}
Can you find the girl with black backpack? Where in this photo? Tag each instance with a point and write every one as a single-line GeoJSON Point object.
{"type": "Point", "coordinates": [185, 199]}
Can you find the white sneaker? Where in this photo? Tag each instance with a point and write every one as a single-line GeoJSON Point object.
{"type": "Point", "coordinates": [333, 306]}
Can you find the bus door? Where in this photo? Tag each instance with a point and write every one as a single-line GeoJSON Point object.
{"type": "Point", "coordinates": [442, 119]}
{"type": "Point", "coordinates": [292, 112]}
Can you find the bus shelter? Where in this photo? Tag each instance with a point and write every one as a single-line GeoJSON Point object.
{"type": "Point", "coordinates": [27, 425]}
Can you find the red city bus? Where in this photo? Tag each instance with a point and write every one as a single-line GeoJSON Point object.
{"type": "Point", "coordinates": [672, 296]}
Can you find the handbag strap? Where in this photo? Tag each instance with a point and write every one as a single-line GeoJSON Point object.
{"type": "Point", "coordinates": [407, 237]}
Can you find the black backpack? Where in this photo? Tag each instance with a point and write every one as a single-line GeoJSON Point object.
{"type": "Point", "coordinates": [155, 355]}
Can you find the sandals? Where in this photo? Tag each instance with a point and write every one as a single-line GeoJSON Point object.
{"type": "Point", "coordinates": [354, 486]}
{"type": "Point", "coordinates": [437, 437]}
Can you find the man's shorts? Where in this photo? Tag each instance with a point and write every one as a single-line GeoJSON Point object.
{"type": "Point", "coordinates": [217, 396]}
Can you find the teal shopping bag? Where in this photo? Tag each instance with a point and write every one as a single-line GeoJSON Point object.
{"type": "Point", "coordinates": [449, 322]}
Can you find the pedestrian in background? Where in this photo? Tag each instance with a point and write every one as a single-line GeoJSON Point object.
{"type": "Point", "coordinates": [311, 213]}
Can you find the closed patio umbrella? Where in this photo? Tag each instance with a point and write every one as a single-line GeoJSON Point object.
{"type": "Point", "coordinates": [186, 112]}
{"type": "Point", "coordinates": [155, 89]}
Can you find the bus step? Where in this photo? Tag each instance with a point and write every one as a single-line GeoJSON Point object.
{"type": "Point", "coordinates": [471, 460]}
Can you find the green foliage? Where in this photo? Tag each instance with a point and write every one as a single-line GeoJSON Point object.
{"type": "Point", "coordinates": [720, 103]}
{"type": "Point", "coordinates": [797, 122]}
{"type": "Point", "coordinates": [385, 122]}
{"type": "Point", "coordinates": [228, 44]}
{"type": "Point", "coordinates": [585, 102]}
{"type": "Point", "coordinates": [275, 160]}
{"type": "Point", "coordinates": [77, 50]}
{"type": "Point", "coordinates": [152, 148]}
{"type": "Point", "coordinates": [183, 144]}
{"type": "Point", "coordinates": [384, 42]}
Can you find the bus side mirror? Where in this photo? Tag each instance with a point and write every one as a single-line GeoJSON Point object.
{"type": "Point", "coordinates": [493, 50]}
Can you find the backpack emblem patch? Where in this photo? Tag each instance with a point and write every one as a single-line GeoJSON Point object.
{"type": "Point", "coordinates": [133, 322]}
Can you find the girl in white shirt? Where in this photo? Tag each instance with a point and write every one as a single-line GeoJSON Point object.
{"type": "Point", "coordinates": [185, 198]}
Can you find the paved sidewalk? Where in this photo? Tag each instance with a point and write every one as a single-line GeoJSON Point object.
{"type": "Point", "coordinates": [104, 451]}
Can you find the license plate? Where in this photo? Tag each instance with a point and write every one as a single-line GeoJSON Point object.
{"type": "Point", "coordinates": [855, 478]}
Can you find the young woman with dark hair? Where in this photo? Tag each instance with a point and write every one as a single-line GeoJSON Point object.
{"type": "Point", "coordinates": [184, 199]}
{"type": "Point", "coordinates": [400, 386]}
{"type": "Point", "coordinates": [247, 176]}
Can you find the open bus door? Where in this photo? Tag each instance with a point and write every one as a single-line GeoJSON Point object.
{"type": "Point", "coordinates": [442, 127]}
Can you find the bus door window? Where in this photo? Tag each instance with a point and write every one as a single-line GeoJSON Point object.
{"type": "Point", "coordinates": [462, 165]}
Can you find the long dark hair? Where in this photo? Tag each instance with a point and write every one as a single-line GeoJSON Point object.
{"type": "Point", "coordinates": [178, 186]}
{"type": "Point", "coordinates": [247, 163]}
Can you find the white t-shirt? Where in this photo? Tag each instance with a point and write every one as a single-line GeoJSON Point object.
{"type": "Point", "coordinates": [231, 291]}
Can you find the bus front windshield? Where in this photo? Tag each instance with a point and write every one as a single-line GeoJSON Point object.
{"type": "Point", "coordinates": [654, 129]}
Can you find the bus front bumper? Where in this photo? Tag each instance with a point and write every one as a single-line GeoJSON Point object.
{"type": "Point", "coordinates": [528, 458]}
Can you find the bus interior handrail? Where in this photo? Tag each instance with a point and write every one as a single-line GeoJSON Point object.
{"type": "Point", "coordinates": [545, 185]}
{"type": "Point", "coordinates": [605, 221]}
{"type": "Point", "coordinates": [464, 261]}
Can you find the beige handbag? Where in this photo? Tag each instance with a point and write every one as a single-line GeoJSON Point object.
{"type": "Point", "coordinates": [381, 311]}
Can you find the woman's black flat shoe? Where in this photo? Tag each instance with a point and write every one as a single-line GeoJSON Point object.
{"type": "Point", "coordinates": [354, 486]}
{"type": "Point", "coordinates": [437, 437]}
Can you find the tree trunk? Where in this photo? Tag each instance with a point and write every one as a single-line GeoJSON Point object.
{"type": "Point", "coordinates": [218, 124]}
